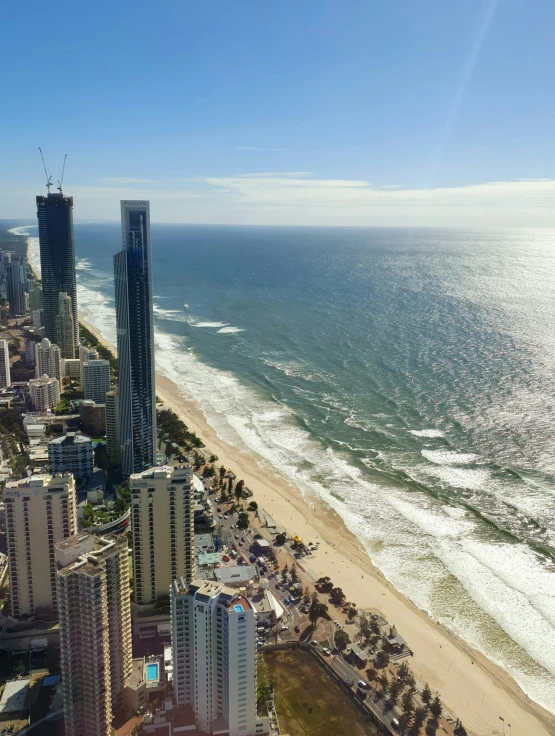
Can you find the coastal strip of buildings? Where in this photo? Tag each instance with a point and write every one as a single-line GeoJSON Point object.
{"type": "Point", "coordinates": [72, 549]}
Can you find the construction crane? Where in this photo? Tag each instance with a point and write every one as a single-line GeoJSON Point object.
{"type": "Point", "coordinates": [61, 179]}
{"type": "Point", "coordinates": [48, 177]}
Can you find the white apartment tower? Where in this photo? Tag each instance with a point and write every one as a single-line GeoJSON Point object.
{"type": "Point", "coordinates": [5, 378]}
{"type": "Point", "coordinates": [71, 453]}
{"type": "Point", "coordinates": [44, 392]}
{"type": "Point", "coordinates": [40, 511]}
{"type": "Point", "coordinates": [96, 380]}
{"type": "Point", "coordinates": [214, 657]}
{"type": "Point", "coordinates": [95, 630]}
{"type": "Point", "coordinates": [84, 355]}
{"type": "Point", "coordinates": [162, 518]}
{"type": "Point", "coordinates": [47, 360]}
{"type": "Point", "coordinates": [112, 425]}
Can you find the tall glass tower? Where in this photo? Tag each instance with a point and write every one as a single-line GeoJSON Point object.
{"type": "Point", "coordinates": [135, 334]}
{"type": "Point", "coordinates": [57, 262]}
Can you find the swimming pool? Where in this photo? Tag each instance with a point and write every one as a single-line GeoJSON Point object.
{"type": "Point", "coordinates": [152, 672]}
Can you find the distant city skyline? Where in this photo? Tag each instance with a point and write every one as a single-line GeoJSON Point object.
{"type": "Point", "coordinates": [326, 114]}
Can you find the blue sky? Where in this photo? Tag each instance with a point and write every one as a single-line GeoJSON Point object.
{"type": "Point", "coordinates": [354, 112]}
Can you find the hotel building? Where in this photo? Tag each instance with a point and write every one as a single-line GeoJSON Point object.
{"type": "Point", "coordinates": [214, 658]}
{"type": "Point", "coordinates": [95, 630]}
{"type": "Point", "coordinates": [162, 523]}
{"type": "Point", "coordinates": [40, 511]}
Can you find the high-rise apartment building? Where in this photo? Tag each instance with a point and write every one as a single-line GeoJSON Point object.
{"type": "Point", "coordinates": [44, 393]}
{"type": "Point", "coordinates": [35, 298]}
{"type": "Point", "coordinates": [15, 282]}
{"type": "Point", "coordinates": [95, 630]}
{"type": "Point", "coordinates": [85, 354]}
{"type": "Point", "coordinates": [57, 261]}
{"type": "Point", "coordinates": [162, 519]}
{"type": "Point", "coordinates": [71, 453]}
{"type": "Point", "coordinates": [112, 425]}
{"type": "Point", "coordinates": [65, 333]}
{"type": "Point", "coordinates": [135, 335]}
{"type": "Point", "coordinates": [5, 378]}
{"type": "Point", "coordinates": [47, 360]}
{"type": "Point", "coordinates": [96, 380]}
{"type": "Point", "coordinates": [40, 511]}
{"type": "Point", "coordinates": [214, 657]}
{"type": "Point", "coordinates": [93, 418]}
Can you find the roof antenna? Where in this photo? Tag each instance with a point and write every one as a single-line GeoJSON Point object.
{"type": "Point", "coordinates": [61, 179]}
{"type": "Point", "coordinates": [48, 177]}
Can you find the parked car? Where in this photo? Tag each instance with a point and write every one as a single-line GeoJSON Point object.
{"type": "Point", "coordinates": [314, 643]}
{"type": "Point", "coordinates": [395, 723]}
{"type": "Point", "coordinates": [284, 628]}
{"type": "Point", "coordinates": [363, 685]}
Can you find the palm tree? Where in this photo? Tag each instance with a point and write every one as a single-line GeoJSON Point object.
{"type": "Point", "coordinates": [426, 695]}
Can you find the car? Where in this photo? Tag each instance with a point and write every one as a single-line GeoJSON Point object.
{"type": "Point", "coordinates": [284, 628]}
{"type": "Point", "coordinates": [314, 643]}
{"type": "Point", "coordinates": [337, 624]}
{"type": "Point", "coordinates": [326, 651]}
{"type": "Point", "coordinates": [348, 682]}
{"type": "Point", "coordinates": [218, 508]}
{"type": "Point", "coordinates": [395, 723]}
{"type": "Point", "coordinates": [243, 539]}
{"type": "Point", "coordinates": [362, 684]}
{"type": "Point", "coordinates": [361, 694]}
{"type": "Point", "coordinates": [236, 536]}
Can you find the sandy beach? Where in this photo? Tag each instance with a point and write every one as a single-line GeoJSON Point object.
{"type": "Point", "coordinates": [471, 687]}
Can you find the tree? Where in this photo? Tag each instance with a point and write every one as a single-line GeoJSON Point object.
{"type": "Point", "coordinates": [371, 674]}
{"type": "Point", "coordinates": [213, 458]}
{"type": "Point", "coordinates": [382, 658]}
{"type": "Point", "coordinates": [337, 596]}
{"type": "Point", "coordinates": [239, 490]}
{"type": "Point", "coordinates": [341, 639]}
{"type": "Point", "coordinates": [404, 722]}
{"type": "Point", "coordinates": [407, 702]}
{"type": "Point", "coordinates": [325, 584]}
{"type": "Point", "coordinates": [316, 610]}
{"type": "Point", "coordinates": [436, 709]}
{"type": "Point", "coordinates": [209, 471]}
{"type": "Point", "coordinates": [306, 597]}
{"type": "Point", "coordinates": [253, 506]}
{"type": "Point", "coordinates": [418, 722]}
{"type": "Point", "coordinates": [383, 682]}
{"type": "Point", "coordinates": [243, 520]}
{"type": "Point", "coordinates": [426, 695]}
{"type": "Point", "coordinates": [281, 539]}
{"type": "Point", "coordinates": [294, 573]}
{"type": "Point", "coordinates": [352, 610]}
{"type": "Point", "coordinates": [230, 486]}
{"type": "Point", "coordinates": [460, 730]}
{"type": "Point", "coordinates": [403, 671]}
{"type": "Point", "coordinates": [284, 574]}
{"type": "Point", "coordinates": [394, 691]}
{"type": "Point", "coordinates": [222, 473]}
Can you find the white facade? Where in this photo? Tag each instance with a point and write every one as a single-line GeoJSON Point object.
{"type": "Point", "coordinates": [214, 657]}
{"type": "Point", "coordinates": [64, 328]}
{"type": "Point", "coordinates": [71, 453]}
{"type": "Point", "coordinates": [40, 511]}
{"type": "Point", "coordinates": [71, 367]}
{"type": "Point", "coordinates": [95, 630]}
{"type": "Point", "coordinates": [84, 355]}
{"type": "Point", "coordinates": [96, 380]}
{"type": "Point", "coordinates": [47, 360]}
{"type": "Point", "coordinates": [162, 522]}
{"type": "Point", "coordinates": [5, 378]}
{"type": "Point", "coordinates": [45, 393]}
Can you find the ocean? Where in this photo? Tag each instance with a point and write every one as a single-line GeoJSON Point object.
{"type": "Point", "coordinates": [404, 377]}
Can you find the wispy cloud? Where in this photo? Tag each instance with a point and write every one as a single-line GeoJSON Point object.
{"type": "Point", "coordinates": [127, 180]}
{"type": "Point", "coordinates": [290, 199]}
{"type": "Point", "coordinates": [256, 148]}
{"type": "Point", "coordinates": [279, 174]}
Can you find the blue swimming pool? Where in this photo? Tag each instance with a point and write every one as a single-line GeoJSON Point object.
{"type": "Point", "coordinates": [238, 608]}
{"type": "Point", "coordinates": [152, 672]}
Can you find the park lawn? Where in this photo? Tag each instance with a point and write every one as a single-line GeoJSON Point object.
{"type": "Point", "coordinates": [308, 702]}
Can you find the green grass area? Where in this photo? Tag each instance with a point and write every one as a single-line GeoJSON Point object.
{"type": "Point", "coordinates": [309, 702]}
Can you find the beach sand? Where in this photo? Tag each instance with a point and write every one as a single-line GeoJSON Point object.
{"type": "Point", "coordinates": [471, 687]}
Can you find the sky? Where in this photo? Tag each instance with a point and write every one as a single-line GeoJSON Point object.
{"type": "Point", "coordinates": [316, 112]}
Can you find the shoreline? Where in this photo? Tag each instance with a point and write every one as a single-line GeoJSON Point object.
{"type": "Point", "coordinates": [472, 687]}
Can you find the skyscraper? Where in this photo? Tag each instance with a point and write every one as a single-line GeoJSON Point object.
{"type": "Point", "coordinates": [112, 425]}
{"type": "Point", "coordinates": [135, 335]}
{"type": "Point", "coordinates": [40, 511]}
{"type": "Point", "coordinates": [65, 334]}
{"type": "Point", "coordinates": [214, 657]}
{"type": "Point", "coordinates": [5, 378]}
{"type": "Point", "coordinates": [16, 278]}
{"type": "Point", "coordinates": [163, 524]}
{"type": "Point", "coordinates": [57, 261]}
{"type": "Point", "coordinates": [95, 630]}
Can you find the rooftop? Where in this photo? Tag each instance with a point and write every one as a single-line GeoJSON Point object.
{"type": "Point", "coordinates": [15, 695]}
{"type": "Point", "coordinates": [162, 471]}
{"type": "Point", "coordinates": [235, 574]}
{"type": "Point", "coordinates": [71, 438]}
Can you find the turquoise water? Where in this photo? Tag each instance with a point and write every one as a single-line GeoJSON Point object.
{"type": "Point", "coordinates": [152, 672]}
{"type": "Point", "coordinates": [406, 378]}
